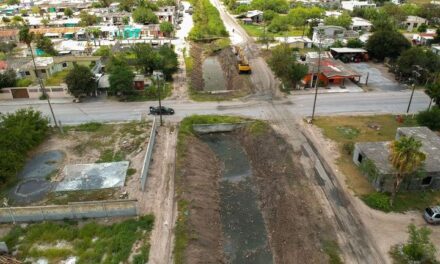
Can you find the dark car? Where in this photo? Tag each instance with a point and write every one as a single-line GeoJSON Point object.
{"type": "Point", "coordinates": [165, 110]}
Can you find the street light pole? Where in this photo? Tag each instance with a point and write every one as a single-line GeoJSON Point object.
{"type": "Point", "coordinates": [159, 76]}
{"type": "Point", "coordinates": [317, 75]}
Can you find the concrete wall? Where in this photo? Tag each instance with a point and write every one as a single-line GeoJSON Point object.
{"type": "Point", "coordinates": [79, 210]}
{"type": "Point", "coordinates": [35, 92]}
{"type": "Point", "coordinates": [215, 128]}
{"type": "Point", "coordinates": [148, 155]}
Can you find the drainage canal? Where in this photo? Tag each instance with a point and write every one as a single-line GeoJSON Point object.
{"type": "Point", "coordinates": [213, 75]}
{"type": "Point", "coordinates": [244, 232]}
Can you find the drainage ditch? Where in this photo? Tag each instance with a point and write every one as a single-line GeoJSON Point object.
{"type": "Point", "coordinates": [244, 231]}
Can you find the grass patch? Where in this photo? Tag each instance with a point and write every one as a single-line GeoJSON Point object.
{"type": "Point", "coordinates": [89, 242]}
{"type": "Point", "coordinates": [258, 128]}
{"type": "Point", "coordinates": [109, 155]}
{"type": "Point", "coordinates": [87, 127]}
{"type": "Point", "coordinates": [131, 171]}
{"type": "Point", "coordinates": [405, 201]}
{"type": "Point", "coordinates": [257, 31]}
{"type": "Point", "coordinates": [181, 232]}
{"type": "Point", "coordinates": [142, 257]}
{"type": "Point", "coordinates": [150, 94]}
{"type": "Point", "coordinates": [332, 250]}
{"type": "Point", "coordinates": [56, 79]}
{"type": "Point", "coordinates": [80, 196]}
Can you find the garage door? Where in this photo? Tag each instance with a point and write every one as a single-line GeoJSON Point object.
{"type": "Point", "coordinates": [19, 93]}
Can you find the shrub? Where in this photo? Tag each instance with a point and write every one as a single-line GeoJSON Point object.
{"type": "Point", "coordinates": [23, 82]}
{"type": "Point", "coordinates": [19, 132]}
{"type": "Point", "coordinates": [207, 22]}
{"type": "Point", "coordinates": [430, 118]}
{"type": "Point", "coordinates": [348, 148]}
{"type": "Point", "coordinates": [378, 201]}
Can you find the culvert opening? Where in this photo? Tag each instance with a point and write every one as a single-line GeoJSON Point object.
{"type": "Point", "coordinates": [243, 227]}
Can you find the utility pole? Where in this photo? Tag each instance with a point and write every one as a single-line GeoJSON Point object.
{"type": "Point", "coordinates": [317, 74]}
{"type": "Point", "coordinates": [158, 76]}
{"type": "Point", "coordinates": [416, 75]}
{"type": "Point", "coordinates": [43, 88]}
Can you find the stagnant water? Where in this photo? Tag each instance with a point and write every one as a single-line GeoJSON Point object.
{"type": "Point", "coordinates": [244, 232]}
{"type": "Point", "coordinates": [213, 75]}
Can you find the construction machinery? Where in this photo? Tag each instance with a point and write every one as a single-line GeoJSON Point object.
{"type": "Point", "coordinates": [242, 61]}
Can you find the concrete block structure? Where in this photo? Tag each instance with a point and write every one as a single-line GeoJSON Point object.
{"type": "Point", "coordinates": [428, 176]}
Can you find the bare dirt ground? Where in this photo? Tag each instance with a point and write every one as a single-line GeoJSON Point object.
{"type": "Point", "coordinates": [386, 229]}
{"type": "Point", "coordinates": [298, 227]}
{"type": "Point", "coordinates": [159, 198]}
{"type": "Point", "coordinates": [198, 184]}
{"type": "Point", "coordinates": [126, 141]}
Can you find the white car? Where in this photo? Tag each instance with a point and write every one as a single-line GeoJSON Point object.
{"type": "Point", "coordinates": [432, 215]}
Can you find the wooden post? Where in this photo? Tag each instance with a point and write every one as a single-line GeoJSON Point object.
{"type": "Point", "coordinates": [366, 80]}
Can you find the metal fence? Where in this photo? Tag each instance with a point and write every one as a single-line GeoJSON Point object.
{"type": "Point", "coordinates": [78, 210]}
{"type": "Point", "coordinates": [147, 159]}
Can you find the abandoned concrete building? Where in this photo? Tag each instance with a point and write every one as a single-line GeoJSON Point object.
{"type": "Point", "coordinates": [380, 176]}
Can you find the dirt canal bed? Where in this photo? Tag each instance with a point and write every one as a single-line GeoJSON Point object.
{"type": "Point", "coordinates": [244, 198]}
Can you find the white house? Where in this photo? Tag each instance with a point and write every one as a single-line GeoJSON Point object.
{"type": "Point", "coordinates": [360, 24]}
{"type": "Point", "coordinates": [436, 49]}
{"type": "Point", "coordinates": [351, 5]}
{"type": "Point", "coordinates": [413, 22]}
{"type": "Point", "coordinates": [327, 35]}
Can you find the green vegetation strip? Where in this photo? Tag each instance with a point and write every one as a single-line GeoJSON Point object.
{"type": "Point", "coordinates": [207, 22]}
{"type": "Point", "coordinates": [90, 243]}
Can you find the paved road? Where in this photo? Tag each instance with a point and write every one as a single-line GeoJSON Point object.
{"type": "Point", "coordinates": [299, 105]}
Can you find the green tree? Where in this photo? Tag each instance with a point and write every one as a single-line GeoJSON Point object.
{"type": "Point", "coordinates": [268, 15]}
{"type": "Point", "coordinates": [406, 158]}
{"type": "Point", "coordinates": [418, 249]}
{"type": "Point", "coordinates": [45, 44]}
{"type": "Point", "coordinates": [355, 43]}
{"type": "Point", "coordinates": [80, 80]}
{"type": "Point", "coordinates": [422, 28]}
{"type": "Point", "coordinates": [430, 118]}
{"type": "Point", "coordinates": [68, 12]}
{"type": "Point", "coordinates": [126, 5]}
{"type": "Point", "coordinates": [121, 80]}
{"type": "Point", "coordinates": [344, 20]}
{"type": "Point", "coordinates": [387, 43]}
{"type": "Point", "coordinates": [167, 62]}
{"type": "Point", "coordinates": [394, 12]}
{"type": "Point", "coordinates": [146, 58]}
{"type": "Point", "coordinates": [8, 78]}
{"type": "Point", "coordinates": [103, 51]}
{"type": "Point", "coordinates": [417, 56]}
{"type": "Point", "coordinates": [87, 19]}
{"type": "Point", "coordinates": [20, 132]}
{"type": "Point", "coordinates": [278, 24]}
{"type": "Point", "coordinates": [144, 15]}
{"type": "Point", "coordinates": [285, 65]}
{"type": "Point", "coordinates": [166, 28]}
{"type": "Point", "coordinates": [13, 2]}
{"type": "Point", "coordinates": [279, 6]}
{"type": "Point", "coordinates": [433, 91]}
{"type": "Point", "coordinates": [45, 22]}
{"type": "Point", "coordinates": [369, 13]}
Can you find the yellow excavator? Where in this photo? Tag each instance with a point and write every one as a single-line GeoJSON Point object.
{"type": "Point", "coordinates": [243, 63]}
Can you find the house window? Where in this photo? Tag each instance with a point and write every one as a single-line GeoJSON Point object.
{"type": "Point", "coordinates": [360, 157]}
{"type": "Point", "coordinates": [43, 71]}
{"type": "Point", "coordinates": [27, 73]}
{"type": "Point", "coordinates": [427, 181]}
{"type": "Point", "coordinates": [64, 64]}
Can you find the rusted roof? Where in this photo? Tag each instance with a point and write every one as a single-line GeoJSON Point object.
{"type": "Point", "coordinates": [55, 30]}
{"type": "Point", "coordinates": [8, 32]}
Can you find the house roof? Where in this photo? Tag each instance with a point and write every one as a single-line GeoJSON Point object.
{"type": "Point", "coordinates": [55, 30]}
{"type": "Point", "coordinates": [332, 68]}
{"type": "Point", "coordinates": [360, 22]}
{"type": "Point", "coordinates": [378, 152]}
{"type": "Point", "coordinates": [8, 32]}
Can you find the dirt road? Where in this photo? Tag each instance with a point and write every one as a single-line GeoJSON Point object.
{"type": "Point", "coordinates": [160, 192]}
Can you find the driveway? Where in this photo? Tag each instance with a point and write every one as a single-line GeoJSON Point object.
{"type": "Point", "coordinates": [379, 78]}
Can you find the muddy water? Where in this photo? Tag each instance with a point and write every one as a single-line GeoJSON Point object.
{"type": "Point", "coordinates": [213, 75]}
{"type": "Point", "coordinates": [244, 232]}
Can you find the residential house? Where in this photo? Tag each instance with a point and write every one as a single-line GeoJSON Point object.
{"type": "Point", "coordinates": [351, 5]}
{"type": "Point", "coordinates": [423, 39]}
{"type": "Point", "coordinates": [167, 13]}
{"type": "Point", "coordinates": [349, 54]}
{"type": "Point", "coordinates": [331, 72]}
{"type": "Point", "coordinates": [378, 153]}
{"type": "Point", "coordinates": [9, 35]}
{"type": "Point", "coordinates": [253, 16]}
{"type": "Point", "coordinates": [296, 42]}
{"type": "Point", "coordinates": [413, 22]}
{"type": "Point", "coordinates": [360, 24]}
{"type": "Point", "coordinates": [326, 36]}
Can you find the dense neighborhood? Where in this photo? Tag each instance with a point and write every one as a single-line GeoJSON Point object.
{"type": "Point", "coordinates": [209, 131]}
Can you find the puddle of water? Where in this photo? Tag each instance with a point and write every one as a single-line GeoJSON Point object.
{"type": "Point", "coordinates": [244, 232]}
{"type": "Point", "coordinates": [213, 75]}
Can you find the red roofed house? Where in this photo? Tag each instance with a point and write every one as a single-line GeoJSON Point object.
{"type": "Point", "coordinates": [331, 72]}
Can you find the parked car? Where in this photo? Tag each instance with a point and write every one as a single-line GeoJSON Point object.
{"type": "Point", "coordinates": [155, 110]}
{"type": "Point", "coordinates": [432, 215]}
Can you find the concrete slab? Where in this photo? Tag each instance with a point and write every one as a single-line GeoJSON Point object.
{"type": "Point", "coordinates": [93, 176]}
{"type": "Point", "coordinates": [379, 78]}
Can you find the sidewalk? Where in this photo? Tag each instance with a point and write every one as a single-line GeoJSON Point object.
{"type": "Point", "coordinates": [15, 102]}
{"type": "Point", "coordinates": [349, 88]}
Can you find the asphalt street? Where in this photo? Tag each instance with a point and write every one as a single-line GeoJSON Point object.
{"type": "Point", "coordinates": [296, 105]}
